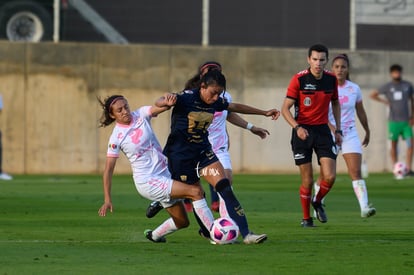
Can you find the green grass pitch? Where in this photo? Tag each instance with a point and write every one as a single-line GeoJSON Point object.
{"type": "Point", "coordinates": [50, 225]}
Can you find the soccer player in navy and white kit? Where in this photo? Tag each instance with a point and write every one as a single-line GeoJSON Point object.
{"type": "Point", "coordinates": [133, 135]}
{"type": "Point", "coordinates": [217, 131]}
{"type": "Point", "coordinates": [189, 151]}
{"type": "Point", "coordinates": [350, 98]}
{"type": "Point", "coordinates": [218, 137]}
{"type": "Point", "coordinates": [310, 92]}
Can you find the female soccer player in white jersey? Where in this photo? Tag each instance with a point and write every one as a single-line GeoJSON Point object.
{"type": "Point", "coordinates": [350, 98]}
{"type": "Point", "coordinates": [133, 135]}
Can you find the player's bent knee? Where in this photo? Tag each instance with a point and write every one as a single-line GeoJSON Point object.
{"type": "Point", "coordinates": [222, 184]}
{"type": "Point", "coordinates": [181, 222]}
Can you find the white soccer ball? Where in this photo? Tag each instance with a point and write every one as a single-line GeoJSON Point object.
{"type": "Point", "coordinates": [224, 231]}
{"type": "Point", "coordinates": [400, 170]}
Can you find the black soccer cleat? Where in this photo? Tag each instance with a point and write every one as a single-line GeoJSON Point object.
{"type": "Point", "coordinates": [153, 209]}
{"type": "Point", "coordinates": [307, 223]}
{"type": "Point", "coordinates": [148, 235]}
{"type": "Point", "coordinates": [320, 212]}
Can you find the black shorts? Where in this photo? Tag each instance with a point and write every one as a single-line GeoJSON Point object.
{"type": "Point", "coordinates": [320, 141]}
{"type": "Point", "coordinates": [187, 168]}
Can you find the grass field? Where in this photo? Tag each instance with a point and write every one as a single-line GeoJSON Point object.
{"type": "Point", "coordinates": [50, 225]}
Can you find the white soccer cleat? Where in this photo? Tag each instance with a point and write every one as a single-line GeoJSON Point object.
{"type": "Point", "coordinates": [254, 239]}
{"type": "Point", "coordinates": [5, 176]}
{"type": "Point", "coordinates": [368, 212]}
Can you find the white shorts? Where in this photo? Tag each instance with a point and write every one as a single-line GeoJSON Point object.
{"type": "Point", "coordinates": [224, 158]}
{"type": "Point", "coordinates": [351, 142]}
{"type": "Point", "coordinates": [157, 188]}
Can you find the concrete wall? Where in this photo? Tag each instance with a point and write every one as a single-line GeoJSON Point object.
{"type": "Point", "coordinates": [50, 116]}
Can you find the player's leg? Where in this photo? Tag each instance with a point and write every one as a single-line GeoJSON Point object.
{"type": "Point", "coordinates": [393, 135]}
{"type": "Point", "coordinates": [305, 192]}
{"type": "Point", "coordinates": [408, 136]}
{"type": "Point", "coordinates": [228, 173]}
{"type": "Point", "coordinates": [353, 162]}
{"type": "Point", "coordinates": [214, 174]}
{"type": "Point", "coordinates": [178, 220]}
{"type": "Point", "coordinates": [194, 192]}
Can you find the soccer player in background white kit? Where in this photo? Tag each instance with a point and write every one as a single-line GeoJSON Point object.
{"type": "Point", "coordinates": [350, 98]}
{"type": "Point", "coordinates": [133, 135]}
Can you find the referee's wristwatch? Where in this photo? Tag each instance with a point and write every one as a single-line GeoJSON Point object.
{"type": "Point", "coordinates": [339, 132]}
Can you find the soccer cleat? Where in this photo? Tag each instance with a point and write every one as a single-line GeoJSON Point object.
{"type": "Point", "coordinates": [5, 176]}
{"type": "Point", "coordinates": [410, 174]}
{"type": "Point", "coordinates": [148, 235]}
{"type": "Point", "coordinates": [307, 223]}
{"type": "Point", "coordinates": [215, 206]}
{"type": "Point", "coordinates": [253, 238]}
{"type": "Point", "coordinates": [153, 209]}
{"type": "Point", "coordinates": [320, 212]}
{"type": "Point", "coordinates": [200, 231]}
{"type": "Point", "coordinates": [368, 212]}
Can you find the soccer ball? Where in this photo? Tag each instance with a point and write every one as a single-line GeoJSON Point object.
{"type": "Point", "coordinates": [400, 170]}
{"type": "Point", "coordinates": [224, 231]}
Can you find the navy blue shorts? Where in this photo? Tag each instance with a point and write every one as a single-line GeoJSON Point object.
{"type": "Point", "coordinates": [188, 169]}
{"type": "Point", "coordinates": [320, 141]}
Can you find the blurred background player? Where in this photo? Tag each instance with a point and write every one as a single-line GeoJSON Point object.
{"type": "Point", "coordinates": [133, 135]}
{"type": "Point", "coordinates": [311, 91]}
{"type": "Point", "coordinates": [350, 98]}
{"type": "Point", "coordinates": [398, 96]}
{"type": "Point", "coordinates": [3, 175]}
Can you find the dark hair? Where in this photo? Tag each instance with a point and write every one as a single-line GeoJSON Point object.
{"type": "Point", "coordinates": [345, 57]}
{"type": "Point", "coordinates": [195, 81]}
{"type": "Point", "coordinates": [106, 105]}
{"type": "Point", "coordinates": [214, 77]}
{"type": "Point", "coordinates": [318, 48]}
{"type": "Point", "coordinates": [396, 67]}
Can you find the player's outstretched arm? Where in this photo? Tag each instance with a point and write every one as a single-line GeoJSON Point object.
{"type": "Point", "coordinates": [249, 110]}
{"type": "Point", "coordinates": [107, 184]}
{"type": "Point", "coordinates": [237, 120]}
{"type": "Point", "coordinates": [164, 103]}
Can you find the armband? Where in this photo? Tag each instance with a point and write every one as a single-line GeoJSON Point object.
{"type": "Point", "coordinates": [249, 126]}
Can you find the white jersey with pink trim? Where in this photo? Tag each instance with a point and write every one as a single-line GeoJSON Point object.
{"type": "Point", "coordinates": [349, 94]}
{"type": "Point", "coordinates": [140, 145]}
{"type": "Point", "coordinates": [217, 133]}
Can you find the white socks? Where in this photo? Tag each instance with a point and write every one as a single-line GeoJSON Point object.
{"type": "Point", "coordinates": [361, 192]}
{"type": "Point", "coordinates": [167, 227]}
{"type": "Point", "coordinates": [203, 212]}
{"type": "Point", "coordinates": [222, 209]}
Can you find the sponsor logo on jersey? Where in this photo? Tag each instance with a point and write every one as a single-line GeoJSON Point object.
{"type": "Point", "coordinates": [113, 146]}
{"type": "Point", "coordinates": [310, 87]}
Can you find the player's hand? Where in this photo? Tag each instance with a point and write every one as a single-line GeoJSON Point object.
{"type": "Point", "coordinates": [262, 133]}
{"type": "Point", "coordinates": [170, 99]}
{"type": "Point", "coordinates": [366, 139]}
{"type": "Point", "coordinates": [104, 208]}
{"type": "Point", "coordinates": [338, 139]}
{"type": "Point", "coordinates": [274, 113]}
{"type": "Point", "coordinates": [302, 133]}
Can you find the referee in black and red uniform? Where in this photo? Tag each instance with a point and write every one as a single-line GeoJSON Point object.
{"type": "Point", "coordinates": [311, 91]}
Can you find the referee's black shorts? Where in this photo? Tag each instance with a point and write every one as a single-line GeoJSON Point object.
{"type": "Point", "coordinates": [320, 141]}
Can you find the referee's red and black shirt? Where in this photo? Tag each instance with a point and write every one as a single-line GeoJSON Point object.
{"type": "Point", "coordinates": [312, 96]}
